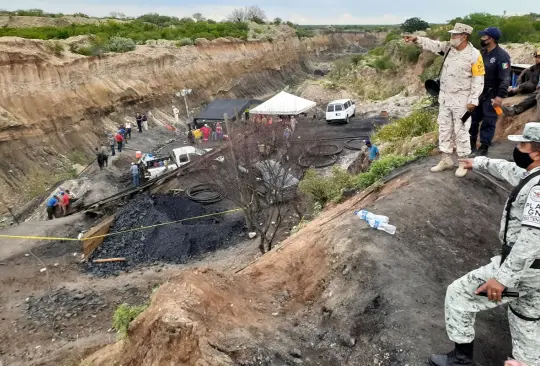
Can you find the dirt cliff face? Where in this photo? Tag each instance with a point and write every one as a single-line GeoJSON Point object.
{"type": "Point", "coordinates": [53, 104]}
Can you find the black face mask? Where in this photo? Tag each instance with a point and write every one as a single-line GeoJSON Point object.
{"type": "Point", "coordinates": [522, 160]}
{"type": "Point", "coordinates": [484, 43]}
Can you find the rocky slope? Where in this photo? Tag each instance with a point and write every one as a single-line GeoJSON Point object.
{"type": "Point", "coordinates": [337, 292]}
{"type": "Point", "coordinates": [54, 104]}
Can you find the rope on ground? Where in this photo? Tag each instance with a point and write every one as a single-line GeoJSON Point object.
{"type": "Point", "coordinates": [205, 193]}
{"type": "Point", "coordinates": [121, 231]}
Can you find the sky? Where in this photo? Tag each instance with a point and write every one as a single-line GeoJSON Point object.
{"type": "Point", "coordinates": [297, 11]}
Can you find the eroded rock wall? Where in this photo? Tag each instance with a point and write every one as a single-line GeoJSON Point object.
{"type": "Point", "coordinates": [52, 104]}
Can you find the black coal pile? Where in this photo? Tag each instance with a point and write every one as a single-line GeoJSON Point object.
{"type": "Point", "coordinates": [176, 243]}
{"type": "Point", "coordinates": [62, 310]}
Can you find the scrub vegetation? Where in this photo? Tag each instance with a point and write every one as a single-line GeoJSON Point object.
{"type": "Point", "coordinates": [325, 189]}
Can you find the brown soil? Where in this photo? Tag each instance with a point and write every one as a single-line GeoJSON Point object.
{"type": "Point", "coordinates": [55, 105]}
{"type": "Point", "coordinates": [336, 292]}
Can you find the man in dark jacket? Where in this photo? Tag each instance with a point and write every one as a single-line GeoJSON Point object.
{"type": "Point", "coordinates": [496, 83]}
{"type": "Point", "coordinates": [528, 80]}
{"type": "Point", "coordinates": [139, 120]}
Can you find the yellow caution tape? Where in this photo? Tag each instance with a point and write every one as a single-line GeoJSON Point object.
{"type": "Point", "coordinates": [121, 231]}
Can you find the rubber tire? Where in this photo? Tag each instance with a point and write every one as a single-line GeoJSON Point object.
{"type": "Point", "coordinates": [352, 147]}
{"type": "Point", "coordinates": [347, 120]}
{"type": "Point", "coordinates": [312, 150]}
{"type": "Point", "coordinates": [332, 160]}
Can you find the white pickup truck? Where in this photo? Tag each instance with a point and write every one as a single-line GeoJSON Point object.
{"type": "Point", "coordinates": [154, 166]}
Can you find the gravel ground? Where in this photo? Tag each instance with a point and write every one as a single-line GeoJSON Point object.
{"type": "Point", "coordinates": [171, 243]}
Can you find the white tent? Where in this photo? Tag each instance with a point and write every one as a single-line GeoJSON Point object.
{"type": "Point", "coordinates": [283, 104]}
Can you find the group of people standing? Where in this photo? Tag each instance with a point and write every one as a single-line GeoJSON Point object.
{"type": "Point", "coordinates": [61, 199]}
{"type": "Point", "coordinates": [472, 87]}
{"type": "Point", "coordinates": [119, 139]}
{"type": "Point", "coordinates": [206, 133]}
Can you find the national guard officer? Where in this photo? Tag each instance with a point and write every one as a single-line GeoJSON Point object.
{"type": "Point", "coordinates": [496, 83]}
{"type": "Point", "coordinates": [518, 267]}
{"type": "Point", "coordinates": [462, 82]}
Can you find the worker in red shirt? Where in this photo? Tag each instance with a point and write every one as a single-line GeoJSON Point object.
{"type": "Point", "coordinates": [64, 202]}
{"type": "Point", "coordinates": [119, 140]}
{"type": "Point", "coordinates": [206, 132]}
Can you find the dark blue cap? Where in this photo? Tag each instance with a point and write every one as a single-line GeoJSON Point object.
{"type": "Point", "coordinates": [492, 32]}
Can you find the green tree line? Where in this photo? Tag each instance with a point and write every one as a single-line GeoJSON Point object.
{"type": "Point", "coordinates": [140, 30]}
{"type": "Point", "coordinates": [515, 29]}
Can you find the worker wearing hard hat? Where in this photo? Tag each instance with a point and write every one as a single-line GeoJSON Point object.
{"type": "Point", "coordinates": [461, 83]}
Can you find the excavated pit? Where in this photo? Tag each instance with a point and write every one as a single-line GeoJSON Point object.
{"type": "Point", "coordinates": [176, 243]}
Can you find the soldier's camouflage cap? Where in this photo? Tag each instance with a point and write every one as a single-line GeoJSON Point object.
{"type": "Point", "coordinates": [461, 28]}
{"type": "Point", "coordinates": [531, 133]}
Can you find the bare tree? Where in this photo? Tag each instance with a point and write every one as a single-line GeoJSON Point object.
{"type": "Point", "coordinates": [198, 17]}
{"type": "Point", "coordinates": [237, 16]}
{"type": "Point", "coordinates": [259, 174]}
{"type": "Point", "coordinates": [255, 14]}
{"type": "Point", "coordinates": [252, 13]}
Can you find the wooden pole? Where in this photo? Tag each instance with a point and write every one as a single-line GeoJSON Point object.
{"type": "Point", "coordinates": [107, 260]}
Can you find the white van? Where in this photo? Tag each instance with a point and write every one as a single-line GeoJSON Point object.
{"type": "Point", "coordinates": [340, 110]}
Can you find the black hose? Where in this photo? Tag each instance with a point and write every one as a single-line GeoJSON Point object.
{"type": "Point", "coordinates": [318, 161]}
{"type": "Point", "coordinates": [325, 150]}
{"type": "Point", "coordinates": [205, 193]}
{"type": "Point", "coordinates": [350, 146]}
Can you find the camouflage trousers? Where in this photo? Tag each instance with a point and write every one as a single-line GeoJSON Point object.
{"type": "Point", "coordinates": [452, 129]}
{"type": "Point", "coordinates": [461, 306]}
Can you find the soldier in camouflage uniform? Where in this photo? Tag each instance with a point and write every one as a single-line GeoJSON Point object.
{"type": "Point", "coordinates": [518, 267]}
{"type": "Point", "coordinates": [462, 82]}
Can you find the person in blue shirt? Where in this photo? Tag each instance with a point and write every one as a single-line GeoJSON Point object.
{"type": "Point", "coordinates": [135, 174]}
{"type": "Point", "coordinates": [373, 151]}
{"type": "Point", "coordinates": [51, 206]}
{"type": "Point", "coordinates": [496, 82]}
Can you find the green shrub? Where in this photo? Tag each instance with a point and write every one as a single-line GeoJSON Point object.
{"type": "Point", "coordinates": [326, 189]}
{"type": "Point", "coordinates": [184, 42]}
{"type": "Point", "coordinates": [124, 315]}
{"type": "Point", "coordinates": [377, 51]}
{"type": "Point", "coordinates": [410, 52]}
{"type": "Point", "coordinates": [424, 151]}
{"type": "Point", "coordinates": [383, 63]}
{"type": "Point", "coordinates": [55, 47]}
{"type": "Point", "coordinates": [119, 44]}
{"type": "Point", "coordinates": [380, 168]}
{"type": "Point", "coordinates": [419, 122]}
{"type": "Point", "coordinates": [391, 36]}
{"type": "Point", "coordinates": [356, 59]}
